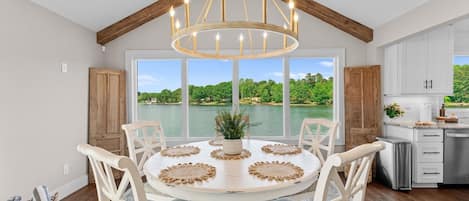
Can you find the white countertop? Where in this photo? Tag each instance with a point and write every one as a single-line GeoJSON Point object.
{"type": "Point", "coordinates": [435, 126]}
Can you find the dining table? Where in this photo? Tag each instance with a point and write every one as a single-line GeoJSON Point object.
{"type": "Point", "coordinates": [232, 181]}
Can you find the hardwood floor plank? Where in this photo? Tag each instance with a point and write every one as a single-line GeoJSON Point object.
{"type": "Point", "coordinates": [375, 192]}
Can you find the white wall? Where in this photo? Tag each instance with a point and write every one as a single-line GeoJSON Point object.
{"type": "Point", "coordinates": [431, 14]}
{"type": "Point", "coordinates": [43, 112]}
{"type": "Point", "coordinates": [314, 33]}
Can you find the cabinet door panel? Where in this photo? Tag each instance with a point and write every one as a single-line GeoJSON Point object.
{"type": "Point", "coordinates": [113, 121]}
{"type": "Point", "coordinates": [413, 71]}
{"type": "Point", "coordinates": [440, 61]}
{"type": "Point", "coordinates": [392, 64]}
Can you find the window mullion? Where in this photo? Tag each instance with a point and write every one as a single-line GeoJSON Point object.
{"type": "Point", "coordinates": [185, 100]}
{"type": "Point", "coordinates": [286, 97]}
{"type": "Point", "coordinates": [235, 86]}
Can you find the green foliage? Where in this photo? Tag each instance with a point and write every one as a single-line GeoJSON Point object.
{"type": "Point", "coordinates": [231, 126]}
{"type": "Point", "coordinates": [393, 110]}
{"type": "Point", "coordinates": [312, 89]}
{"type": "Point", "coordinates": [461, 85]}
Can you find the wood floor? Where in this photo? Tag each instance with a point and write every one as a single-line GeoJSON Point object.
{"type": "Point", "coordinates": [375, 192]}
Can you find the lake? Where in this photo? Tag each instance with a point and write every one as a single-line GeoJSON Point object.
{"type": "Point", "coordinates": [202, 123]}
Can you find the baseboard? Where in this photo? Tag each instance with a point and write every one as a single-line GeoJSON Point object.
{"type": "Point", "coordinates": [71, 187]}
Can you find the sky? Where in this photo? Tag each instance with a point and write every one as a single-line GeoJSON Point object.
{"type": "Point", "coordinates": [461, 60]}
{"type": "Point", "coordinates": [156, 75]}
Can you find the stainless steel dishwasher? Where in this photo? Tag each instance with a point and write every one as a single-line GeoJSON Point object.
{"type": "Point", "coordinates": [456, 157]}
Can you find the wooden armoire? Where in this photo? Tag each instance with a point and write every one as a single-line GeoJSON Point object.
{"type": "Point", "coordinates": [363, 109]}
{"type": "Point", "coordinates": [107, 111]}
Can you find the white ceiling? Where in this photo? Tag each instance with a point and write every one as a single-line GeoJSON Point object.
{"type": "Point", "coordinates": [97, 14]}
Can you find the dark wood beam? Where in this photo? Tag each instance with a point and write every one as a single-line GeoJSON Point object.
{"type": "Point", "coordinates": [161, 7]}
{"type": "Point", "coordinates": [135, 20]}
{"type": "Point", "coordinates": [335, 19]}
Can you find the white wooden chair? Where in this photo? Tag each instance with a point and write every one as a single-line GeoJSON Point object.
{"type": "Point", "coordinates": [143, 140]}
{"type": "Point", "coordinates": [315, 140]}
{"type": "Point", "coordinates": [130, 187]}
{"type": "Point", "coordinates": [354, 189]}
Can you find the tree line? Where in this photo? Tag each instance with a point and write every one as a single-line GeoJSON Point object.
{"type": "Point", "coordinates": [461, 85]}
{"type": "Point", "coordinates": [312, 89]}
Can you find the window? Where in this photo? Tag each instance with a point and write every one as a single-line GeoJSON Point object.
{"type": "Point", "coordinates": [460, 98]}
{"type": "Point", "coordinates": [186, 94]}
{"type": "Point", "coordinates": [311, 90]}
{"type": "Point", "coordinates": [159, 94]}
{"type": "Point", "coordinates": [261, 95]}
{"type": "Point", "coordinates": [210, 91]}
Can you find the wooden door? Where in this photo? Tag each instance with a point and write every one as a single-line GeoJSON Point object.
{"type": "Point", "coordinates": [107, 110]}
{"type": "Point", "coordinates": [362, 105]}
{"type": "Point", "coordinates": [413, 71]}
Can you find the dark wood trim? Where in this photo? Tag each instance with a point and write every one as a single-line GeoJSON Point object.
{"type": "Point", "coordinates": [135, 20]}
{"type": "Point", "coordinates": [335, 19]}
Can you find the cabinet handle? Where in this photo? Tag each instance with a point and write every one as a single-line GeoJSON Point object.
{"type": "Point", "coordinates": [434, 173]}
{"type": "Point", "coordinates": [431, 84]}
{"type": "Point", "coordinates": [426, 84]}
{"type": "Point", "coordinates": [431, 135]}
{"type": "Point", "coordinates": [430, 152]}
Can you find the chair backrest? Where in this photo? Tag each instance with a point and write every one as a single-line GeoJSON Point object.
{"type": "Point", "coordinates": [360, 159]}
{"type": "Point", "coordinates": [315, 139]}
{"type": "Point", "coordinates": [143, 140]}
{"type": "Point", "coordinates": [103, 163]}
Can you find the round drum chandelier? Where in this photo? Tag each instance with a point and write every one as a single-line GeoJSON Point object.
{"type": "Point", "coordinates": [272, 39]}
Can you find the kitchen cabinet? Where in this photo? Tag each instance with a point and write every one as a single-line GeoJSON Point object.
{"type": "Point", "coordinates": [421, 64]}
{"type": "Point", "coordinates": [427, 153]}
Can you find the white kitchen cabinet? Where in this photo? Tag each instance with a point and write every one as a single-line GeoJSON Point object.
{"type": "Point", "coordinates": [421, 64]}
{"type": "Point", "coordinates": [427, 153]}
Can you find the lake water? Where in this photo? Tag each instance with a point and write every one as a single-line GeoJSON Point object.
{"type": "Point", "coordinates": [202, 123]}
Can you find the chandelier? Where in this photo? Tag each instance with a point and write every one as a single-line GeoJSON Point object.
{"type": "Point", "coordinates": [272, 39]}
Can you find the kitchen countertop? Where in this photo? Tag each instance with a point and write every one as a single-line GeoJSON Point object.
{"type": "Point", "coordinates": [435, 126]}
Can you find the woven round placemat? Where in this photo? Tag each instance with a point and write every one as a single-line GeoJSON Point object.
{"type": "Point", "coordinates": [215, 142]}
{"type": "Point", "coordinates": [278, 171]}
{"type": "Point", "coordinates": [281, 149]}
{"type": "Point", "coordinates": [187, 173]}
{"type": "Point", "coordinates": [180, 151]}
{"type": "Point", "coordinates": [220, 155]}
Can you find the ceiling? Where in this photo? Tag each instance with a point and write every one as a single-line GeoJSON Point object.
{"type": "Point", "coordinates": [98, 14]}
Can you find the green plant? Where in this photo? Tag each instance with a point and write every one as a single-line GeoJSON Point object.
{"type": "Point", "coordinates": [393, 110]}
{"type": "Point", "coordinates": [231, 125]}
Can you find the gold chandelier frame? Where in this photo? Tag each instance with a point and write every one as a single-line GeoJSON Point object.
{"type": "Point", "coordinates": [190, 32]}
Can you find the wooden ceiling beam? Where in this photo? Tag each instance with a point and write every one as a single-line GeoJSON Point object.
{"type": "Point", "coordinates": [335, 19]}
{"type": "Point", "coordinates": [135, 20]}
{"type": "Point", "coordinates": [161, 7]}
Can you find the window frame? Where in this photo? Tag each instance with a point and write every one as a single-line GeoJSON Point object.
{"type": "Point", "coordinates": [337, 54]}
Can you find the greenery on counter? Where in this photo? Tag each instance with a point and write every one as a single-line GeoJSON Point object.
{"type": "Point", "coordinates": [393, 110]}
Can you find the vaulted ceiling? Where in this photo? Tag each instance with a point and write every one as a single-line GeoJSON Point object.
{"type": "Point", "coordinates": [99, 14]}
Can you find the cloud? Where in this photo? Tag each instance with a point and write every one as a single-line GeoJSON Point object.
{"type": "Point", "coordinates": [327, 63]}
{"type": "Point", "coordinates": [297, 76]}
{"type": "Point", "coordinates": [276, 74]}
{"type": "Point", "coordinates": [145, 80]}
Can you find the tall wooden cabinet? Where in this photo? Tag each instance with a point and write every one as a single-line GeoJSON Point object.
{"type": "Point", "coordinates": [363, 109]}
{"type": "Point", "coordinates": [107, 110]}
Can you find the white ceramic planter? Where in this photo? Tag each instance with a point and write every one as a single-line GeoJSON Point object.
{"type": "Point", "coordinates": [232, 147]}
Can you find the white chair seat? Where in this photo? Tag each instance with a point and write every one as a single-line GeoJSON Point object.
{"type": "Point", "coordinates": [151, 194]}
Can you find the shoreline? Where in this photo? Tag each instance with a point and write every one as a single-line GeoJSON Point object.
{"type": "Point", "coordinates": [227, 104]}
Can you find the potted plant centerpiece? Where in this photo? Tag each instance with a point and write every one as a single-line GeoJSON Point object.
{"type": "Point", "coordinates": [232, 127]}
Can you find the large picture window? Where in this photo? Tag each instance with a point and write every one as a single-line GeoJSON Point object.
{"type": "Point", "coordinates": [276, 93]}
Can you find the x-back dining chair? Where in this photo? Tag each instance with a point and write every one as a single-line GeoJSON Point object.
{"type": "Point", "coordinates": [315, 140]}
{"type": "Point", "coordinates": [130, 187]}
{"type": "Point", "coordinates": [360, 160]}
{"type": "Point", "coordinates": [144, 139]}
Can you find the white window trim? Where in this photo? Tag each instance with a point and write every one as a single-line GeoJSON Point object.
{"type": "Point", "coordinates": [338, 54]}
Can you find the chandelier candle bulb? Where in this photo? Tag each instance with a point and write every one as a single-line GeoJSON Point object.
{"type": "Point", "coordinates": [217, 43]}
{"type": "Point", "coordinates": [194, 41]}
{"type": "Point", "coordinates": [171, 16]}
{"type": "Point", "coordinates": [187, 10]}
{"type": "Point", "coordinates": [285, 37]}
{"type": "Point", "coordinates": [295, 23]}
{"type": "Point", "coordinates": [291, 5]}
{"type": "Point", "coordinates": [265, 41]}
{"type": "Point", "coordinates": [241, 44]}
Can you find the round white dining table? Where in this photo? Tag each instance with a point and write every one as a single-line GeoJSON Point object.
{"type": "Point", "coordinates": [232, 181]}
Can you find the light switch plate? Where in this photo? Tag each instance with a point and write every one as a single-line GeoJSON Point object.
{"type": "Point", "coordinates": [64, 67]}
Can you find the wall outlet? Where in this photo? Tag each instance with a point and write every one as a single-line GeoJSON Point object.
{"type": "Point", "coordinates": [66, 169]}
{"type": "Point", "coordinates": [64, 68]}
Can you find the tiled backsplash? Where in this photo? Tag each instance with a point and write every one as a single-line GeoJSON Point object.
{"type": "Point", "coordinates": [412, 106]}
{"type": "Point", "coordinates": [462, 114]}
